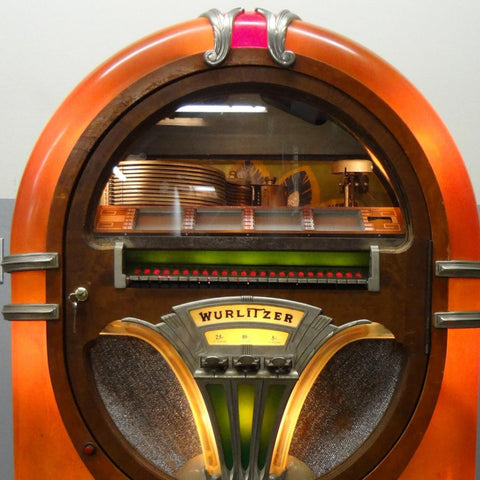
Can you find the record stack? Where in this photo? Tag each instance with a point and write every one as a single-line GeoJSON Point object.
{"type": "Point", "coordinates": [166, 183]}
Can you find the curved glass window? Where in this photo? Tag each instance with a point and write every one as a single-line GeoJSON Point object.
{"type": "Point", "coordinates": [246, 164]}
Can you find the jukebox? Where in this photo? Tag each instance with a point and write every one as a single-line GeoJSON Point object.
{"type": "Point", "coordinates": [245, 248]}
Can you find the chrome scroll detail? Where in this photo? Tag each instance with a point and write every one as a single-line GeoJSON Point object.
{"type": "Point", "coordinates": [222, 29]}
{"type": "Point", "coordinates": [277, 30]}
{"type": "Point", "coordinates": [466, 319]}
{"type": "Point", "coordinates": [457, 268]}
{"type": "Point", "coordinates": [31, 311]}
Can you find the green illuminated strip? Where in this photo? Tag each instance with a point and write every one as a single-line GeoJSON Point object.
{"type": "Point", "coordinates": [246, 403]}
{"type": "Point", "coordinates": [236, 257]}
{"type": "Point", "coordinates": [219, 403]}
{"type": "Point", "coordinates": [270, 414]}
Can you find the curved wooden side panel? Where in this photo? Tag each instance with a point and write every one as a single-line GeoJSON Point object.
{"type": "Point", "coordinates": [42, 446]}
{"type": "Point", "coordinates": [448, 448]}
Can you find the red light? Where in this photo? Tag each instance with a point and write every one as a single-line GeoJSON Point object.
{"type": "Point", "coordinates": [262, 273]}
{"type": "Point", "coordinates": [166, 271]}
{"type": "Point", "coordinates": [138, 271]}
{"type": "Point", "coordinates": [310, 274]}
{"type": "Point", "coordinates": [89, 449]}
{"type": "Point", "coordinates": [185, 272]}
{"type": "Point", "coordinates": [176, 272]}
{"type": "Point", "coordinates": [281, 274]}
{"type": "Point", "coordinates": [147, 271]}
{"type": "Point", "coordinates": [291, 274]}
{"type": "Point", "coordinates": [253, 273]}
{"type": "Point", "coordinates": [339, 275]}
{"type": "Point", "coordinates": [349, 275]}
{"type": "Point", "coordinates": [301, 274]}
{"type": "Point", "coordinates": [319, 274]}
{"type": "Point", "coordinates": [234, 273]}
{"type": "Point", "coordinates": [358, 275]}
{"type": "Point", "coordinates": [215, 273]}
{"type": "Point", "coordinates": [205, 272]}
{"type": "Point", "coordinates": [195, 272]}
{"type": "Point", "coordinates": [156, 271]}
{"type": "Point", "coordinates": [272, 274]}
{"type": "Point", "coordinates": [224, 273]}
{"type": "Point", "coordinates": [243, 273]}
{"type": "Point", "coordinates": [330, 274]}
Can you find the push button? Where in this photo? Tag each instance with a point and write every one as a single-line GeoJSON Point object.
{"type": "Point", "coordinates": [279, 365]}
{"type": "Point", "coordinates": [247, 364]}
{"type": "Point", "coordinates": [214, 364]}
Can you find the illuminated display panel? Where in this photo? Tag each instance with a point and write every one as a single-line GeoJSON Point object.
{"type": "Point", "coordinates": [258, 267]}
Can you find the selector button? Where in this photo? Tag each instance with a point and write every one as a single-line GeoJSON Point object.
{"type": "Point", "coordinates": [214, 363]}
{"type": "Point", "coordinates": [279, 365]}
{"type": "Point", "coordinates": [247, 364]}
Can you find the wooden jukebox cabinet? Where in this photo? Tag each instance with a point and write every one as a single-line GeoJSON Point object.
{"type": "Point", "coordinates": [245, 248]}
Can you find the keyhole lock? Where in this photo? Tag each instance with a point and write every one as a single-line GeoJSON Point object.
{"type": "Point", "coordinates": [79, 295]}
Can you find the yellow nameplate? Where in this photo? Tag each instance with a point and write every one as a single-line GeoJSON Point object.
{"type": "Point", "coordinates": [268, 314]}
{"type": "Point", "coordinates": [246, 336]}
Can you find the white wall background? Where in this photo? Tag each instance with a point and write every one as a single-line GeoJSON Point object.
{"type": "Point", "coordinates": [47, 47]}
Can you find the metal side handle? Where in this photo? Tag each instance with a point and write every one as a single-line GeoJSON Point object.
{"type": "Point", "coordinates": [26, 261]}
{"type": "Point", "coordinates": [31, 311]}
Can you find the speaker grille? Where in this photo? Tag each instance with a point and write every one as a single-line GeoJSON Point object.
{"type": "Point", "coordinates": [346, 403]}
{"type": "Point", "coordinates": [145, 401]}
{"type": "Point", "coordinates": [148, 406]}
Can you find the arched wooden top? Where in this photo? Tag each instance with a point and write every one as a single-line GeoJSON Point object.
{"type": "Point", "coordinates": [108, 80]}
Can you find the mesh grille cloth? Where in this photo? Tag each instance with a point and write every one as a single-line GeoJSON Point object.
{"type": "Point", "coordinates": [346, 403]}
{"type": "Point", "coordinates": [145, 401]}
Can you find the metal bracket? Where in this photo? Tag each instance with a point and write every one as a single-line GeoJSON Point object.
{"type": "Point", "coordinates": [119, 278]}
{"type": "Point", "coordinates": [22, 262]}
{"type": "Point", "coordinates": [457, 268]}
{"type": "Point", "coordinates": [457, 319]}
{"type": "Point", "coordinates": [31, 311]}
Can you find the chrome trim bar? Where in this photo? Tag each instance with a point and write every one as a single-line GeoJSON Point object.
{"type": "Point", "coordinates": [466, 319]}
{"type": "Point", "coordinates": [31, 311]}
{"type": "Point", "coordinates": [119, 278]}
{"type": "Point", "coordinates": [374, 277]}
{"type": "Point", "coordinates": [22, 262]}
{"type": "Point", "coordinates": [457, 268]}
{"type": "Point", "coordinates": [29, 261]}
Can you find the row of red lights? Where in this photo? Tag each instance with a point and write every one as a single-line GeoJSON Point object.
{"type": "Point", "coordinates": [244, 273]}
